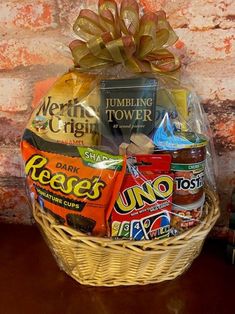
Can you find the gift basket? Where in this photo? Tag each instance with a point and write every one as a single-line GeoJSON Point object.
{"type": "Point", "coordinates": [118, 155]}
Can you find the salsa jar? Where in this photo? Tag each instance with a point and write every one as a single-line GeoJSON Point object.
{"type": "Point", "coordinates": [188, 166]}
{"type": "Point", "coordinates": [188, 151]}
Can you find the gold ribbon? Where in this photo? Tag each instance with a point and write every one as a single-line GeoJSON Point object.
{"type": "Point", "coordinates": [121, 35]}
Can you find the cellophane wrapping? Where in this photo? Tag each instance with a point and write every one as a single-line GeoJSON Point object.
{"type": "Point", "coordinates": [118, 147]}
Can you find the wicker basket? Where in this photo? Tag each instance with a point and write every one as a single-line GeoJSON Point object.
{"type": "Point", "coordinates": [105, 262]}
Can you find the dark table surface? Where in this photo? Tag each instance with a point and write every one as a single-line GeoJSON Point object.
{"type": "Point", "coordinates": [31, 282]}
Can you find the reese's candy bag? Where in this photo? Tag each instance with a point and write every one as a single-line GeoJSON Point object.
{"type": "Point", "coordinates": [142, 210]}
{"type": "Point", "coordinates": [78, 187]}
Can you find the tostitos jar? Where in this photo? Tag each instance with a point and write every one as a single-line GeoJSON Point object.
{"type": "Point", "coordinates": [188, 165]}
{"type": "Point", "coordinates": [188, 151]}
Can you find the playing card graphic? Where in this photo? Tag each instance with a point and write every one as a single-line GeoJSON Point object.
{"type": "Point", "coordinates": [137, 232]}
{"type": "Point", "coordinates": [115, 228]}
{"type": "Point", "coordinates": [157, 225]}
{"type": "Point", "coordinates": [124, 230]}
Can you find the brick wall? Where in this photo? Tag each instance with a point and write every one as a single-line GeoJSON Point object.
{"type": "Point", "coordinates": [33, 53]}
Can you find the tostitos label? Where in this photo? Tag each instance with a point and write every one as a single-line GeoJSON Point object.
{"type": "Point", "coordinates": [189, 178]}
{"type": "Point", "coordinates": [79, 191]}
{"type": "Point", "coordinates": [142, 210]}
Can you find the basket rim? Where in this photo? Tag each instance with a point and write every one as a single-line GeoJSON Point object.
{"type": "Point", "coordinates": [73, 237]}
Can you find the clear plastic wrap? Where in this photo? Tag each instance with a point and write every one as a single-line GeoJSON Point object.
{"type": "Point", "coordinates": [118, 147]}
{"type": "Point", "coordinates": [96, 136]}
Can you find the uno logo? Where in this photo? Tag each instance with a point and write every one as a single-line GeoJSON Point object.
{"type": "Point", "coordinates": [148, 193]}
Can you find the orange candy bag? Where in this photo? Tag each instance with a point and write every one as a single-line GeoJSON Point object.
{"type": "Point", "coordinates": [79, 188]}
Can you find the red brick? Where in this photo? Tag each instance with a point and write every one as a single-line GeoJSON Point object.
{"type": "Point", "coordinates": [178, 20]}
{"type": "Point", "coordinates": [204, 14]}
{"type": "Point", "coordinates": [222, 121]}
{"type": "Point", "coordinates": [153, 5]}
{"type": "Point", "coordinates": [28, 14]}
{"type": "Point", "coordinates": [11, 130]}
{"type": "Point", "coordinates": [40, 89]}
{"type": "Point", "coordinates": [225, 181]}
{"type": "Point", "coordinates": [196, 14]}
{"type": "Point", "coordinates": [225, 132]}
{"type": "Point", "coordinates": [227, 22]}
{"type": "Point", "coordinates": [28, 51]}
{"type": "Point", "coordinates": [68, 12]}
{"type": "Point", "coordinates": [211, 44]}
{"type": "Point", "coordinates": [15, 93]}
{"type": "Point", "coordinates": [175, 10]}
{"type": "Point", "coordinates": [180, 6]}
{"type": "Point", "coordinates": [14, 205]}
{"type": "Point", "coordinates": [11, 163]}
{"type": "Point", "coordinates": [212, 79]}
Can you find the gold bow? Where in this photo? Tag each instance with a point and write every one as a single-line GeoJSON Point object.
{"type": "Point", "coordinates": [123, 35]}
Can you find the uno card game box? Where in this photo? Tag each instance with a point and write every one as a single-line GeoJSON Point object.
{"type": "Point", "coordinates": [142, 210]}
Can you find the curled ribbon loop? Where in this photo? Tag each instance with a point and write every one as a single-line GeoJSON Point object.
{"type": "Point", "coordinates": [123, 35]}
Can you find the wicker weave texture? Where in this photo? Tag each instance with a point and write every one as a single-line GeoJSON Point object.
{"type": "Point", "coordinates": [106, 262]}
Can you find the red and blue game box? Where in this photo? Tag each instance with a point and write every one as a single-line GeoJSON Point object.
{"type": "Point", "coordinates": [143, 208]}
